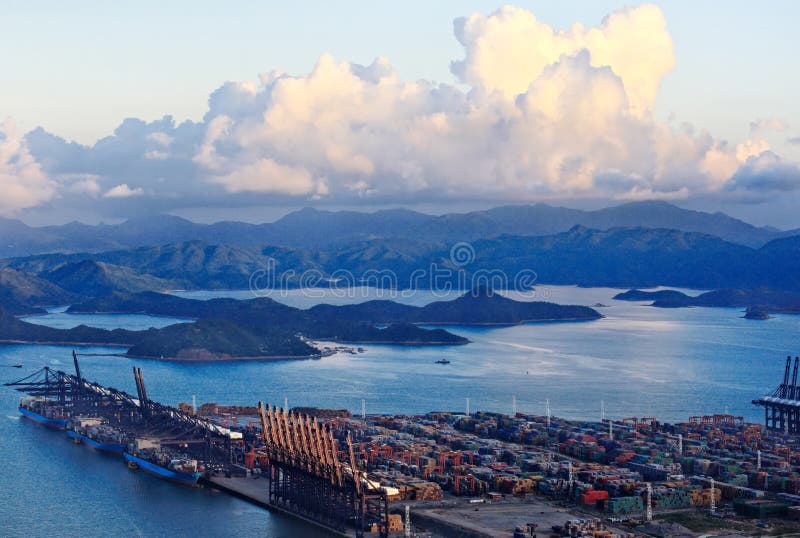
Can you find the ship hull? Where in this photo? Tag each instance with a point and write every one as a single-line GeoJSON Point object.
{"type": "Point", "coordinates": [56, 423]}
{"type": "Point", "coordinates": [109, 448]}
{"type": "Point", "coordinates": [186, 479]}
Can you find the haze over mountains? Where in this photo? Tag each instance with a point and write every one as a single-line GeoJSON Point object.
{"type": "Point", "coordinates": [620, 257]}
{"type": "Point", "coordinates": [312, 228]}
{"type": "Point", "coordinates": [107, 268]}
{"type": "Point", "coordinates": [634, 245]}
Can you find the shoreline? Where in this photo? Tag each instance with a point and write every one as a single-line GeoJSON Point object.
{"type": "Point", "coordinates": [45, 343]}
{"type": "Point", "coordinates": [504, 324]}
{"type": "Point", "coordinates": [265, 358]}
{"type": "Point", "coordinates": [433, 323]}
{"type": "Point", "coordinates": [404, 344]}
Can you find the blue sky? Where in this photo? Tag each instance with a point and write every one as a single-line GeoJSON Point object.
{"type": "Point", "coordinates": [79, 69]}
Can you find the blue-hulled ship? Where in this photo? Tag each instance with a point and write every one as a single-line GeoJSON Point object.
{"type": "Point", "coordinates": [96, 433]}
{"type": "Point", "coordinates": [147, 455]}
{"type": "Point", "coordinates": [44, 411]}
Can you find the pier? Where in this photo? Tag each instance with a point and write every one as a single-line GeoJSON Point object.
{"type": "Point", "coordinates": [70, 395]}
{"type": "Point", "coordinates": [473, 473]}
{"type": "Point", "coordinates": [303, 469]}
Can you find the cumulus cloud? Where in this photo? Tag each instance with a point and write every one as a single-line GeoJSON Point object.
{"type": "Point", "coordinates": [266, 175]}
{"type": "Point", "coordinates": [751, 148]}
{"type": "Point", "coordinates": [639, 194]}
{"type": "Point", "coordinates": [545, 114]}
{"type": "Point", "coordinates": [23, 184]}
{"type": "Point", "coordinates": [763, 175]}
{"type": "Point", "coordinates": [509, 49]}
{"type": "Point", "coordinates": [123, 191]}
{"type": "Point", "coordinates": [768, 124]}
{"type": "Point", "coordinates": [82, 184]}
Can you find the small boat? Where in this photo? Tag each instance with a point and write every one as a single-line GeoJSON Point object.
{"type": "Point", "coordinates": [18, 365]}
{"type": "Point", "coordinates": [443, 361]}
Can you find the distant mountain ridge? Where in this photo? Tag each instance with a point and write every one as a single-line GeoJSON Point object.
{"type": "Point", "coordinates": [92, 279]}
{"type": "Point", "coordinates": [24, 293]}
{"type": "Point", "coordinates": [314, 229]}
{"type": "Point", "coordinates": [619, 257]}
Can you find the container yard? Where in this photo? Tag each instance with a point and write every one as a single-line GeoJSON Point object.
{"type": "Point", "coordinates": [447, 473]}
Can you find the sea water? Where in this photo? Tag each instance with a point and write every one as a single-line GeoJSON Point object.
{"type": "Point", "coordinates": [639, 360]}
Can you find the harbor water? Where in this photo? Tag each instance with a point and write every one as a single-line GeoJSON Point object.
{"type": "Point", "coordinates": [639, 360]}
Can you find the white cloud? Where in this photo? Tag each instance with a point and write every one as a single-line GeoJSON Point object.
{"type": "Point", "coordinates": [509, 49]}
{"type": "Point", "coordinates": [23, 184]}
{"type": "Point", "coordinates": [638, 194]}
{"type": "Point", "coordinates": [764, 175]}
{"type": "Point", "coordinates": [368, 132]}
{"type": "Point", "coordinates": [265, 175]}
{"type": "Point", "coordinates": [82, 184]}
{"type": "Point", "coordinates": [161, 138]}
{"type": "Point", "coordinates": [123, 191]}
{"type": "Point", "coordinates": [157, 155]}
{"type": "Point", "coordinates": [768, 124]}
{"type": "Point", "coordinates": [751, 148]}
{"type": "Point", "coordinates": [546, 114]}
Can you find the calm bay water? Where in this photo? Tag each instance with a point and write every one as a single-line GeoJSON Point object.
{"type": "Point", "coordinates": [641, 361]}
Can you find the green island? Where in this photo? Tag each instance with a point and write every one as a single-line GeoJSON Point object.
{"type": "Point", "coordinates": [262, 328]}
{"type": "Point", "coordinates": [759, 302]}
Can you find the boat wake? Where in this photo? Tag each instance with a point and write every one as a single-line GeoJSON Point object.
{"type": "Point", "coordinates": [522, 346]}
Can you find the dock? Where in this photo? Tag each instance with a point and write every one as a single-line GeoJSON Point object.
{"type": "Point", "coordinates": [465, 474]}
{"type": "Point", "coordinates": [313, 474]}
{"type": "Point", "coordinates": [256, 491]}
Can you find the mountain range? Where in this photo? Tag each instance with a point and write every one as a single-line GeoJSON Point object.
{"type": "Point", "coordinates": [619, 257]}
{"type": "Point", "coordinates": [314, 229]}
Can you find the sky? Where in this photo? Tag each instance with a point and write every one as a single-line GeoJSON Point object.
{"type": "Point", "coordinates": [246, 111]}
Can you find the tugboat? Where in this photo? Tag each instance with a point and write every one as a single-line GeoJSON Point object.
{"type": "Point", "coordinates": [443, 361]}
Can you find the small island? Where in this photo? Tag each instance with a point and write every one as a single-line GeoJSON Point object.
{"type": "Point", "coordinates": [754, 312]}
{"type": "Point", "coordinates": [661, 295]}
{"type": "Point", "coordinates": [228, 329]}
{"type": "Point", "coordinates": [767, 300]}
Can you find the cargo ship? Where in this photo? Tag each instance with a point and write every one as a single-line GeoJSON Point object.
{"type": "Point", "coordinates": [96, 433]}
{"type": "Point", "coordinates": [44, 411]}
{"type": "Point", "coordinates": [147, 455]}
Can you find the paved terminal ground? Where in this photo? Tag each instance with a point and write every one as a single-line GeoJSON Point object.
{"type": "Point", "coordinates": [490, 519]}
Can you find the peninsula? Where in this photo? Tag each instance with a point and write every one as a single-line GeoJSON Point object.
{"type": "Point", "coordinates": [263, 328]}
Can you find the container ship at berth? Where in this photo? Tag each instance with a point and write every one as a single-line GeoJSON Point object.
{"type": "Point", "coordinates": [147, 455]}
{"type": "Point", "coordinates": [44, 411]}
{"type": "Point", "coordinates": [98, 434]}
